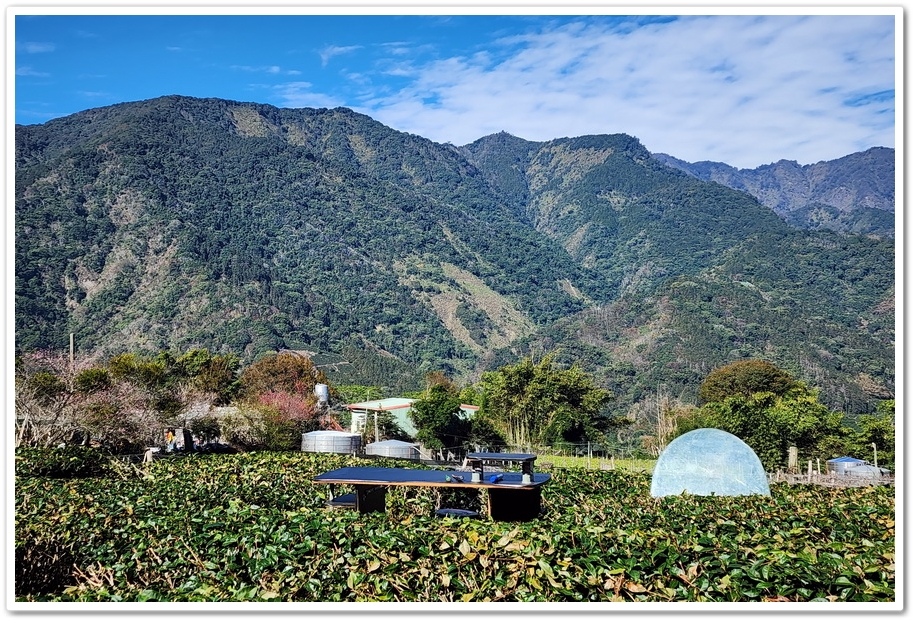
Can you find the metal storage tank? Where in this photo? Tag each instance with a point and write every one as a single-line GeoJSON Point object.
{"type": "Point", "coordinates": [394, 448]}
{"type": "Point", "coordinates": [322, 393]}
{"type": "Point", "coordinates": [331, 441]}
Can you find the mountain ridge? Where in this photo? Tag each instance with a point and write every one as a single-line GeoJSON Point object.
{"type": "Point", "coordinates": [180, 222]}
{"type": "Point", "coordinates": [848, 194]}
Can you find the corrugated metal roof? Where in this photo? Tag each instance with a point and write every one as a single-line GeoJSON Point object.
{"type": "Point", "coordinates": [846, 459]}
{"type": "Point", "coordinates": [385, 404]}
{"type": "Point", "coordinates": [389, 404]}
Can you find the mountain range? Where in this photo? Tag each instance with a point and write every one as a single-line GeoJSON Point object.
{"type": "Point", "coordinates": [851, 194]}
{"type": "Point", "coordinates": [180, 222]}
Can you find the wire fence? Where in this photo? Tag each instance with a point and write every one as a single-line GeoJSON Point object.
{"type": "Point", "coordinates": [831, 479]}
{"type": "Point", "coordinates": [568, 455]}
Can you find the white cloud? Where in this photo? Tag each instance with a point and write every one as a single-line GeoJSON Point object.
{"type": "Point", "coordinates": [28, 71]}
{"type": "Point", "coordinates": [35, 47]}
{"type": "Point", "coordinates": [266, 69]}
{"type": "Point", "coordinates": [94, 94]}
{"type": "Point", "coordinates": [331, 51]}
{"type": "Point", "coordinates": [302, 95]}
{"type": "Point", "coordinates": [747, 90]}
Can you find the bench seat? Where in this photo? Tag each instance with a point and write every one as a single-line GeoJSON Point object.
{"type": "Point", "coordinates": [347, 500]}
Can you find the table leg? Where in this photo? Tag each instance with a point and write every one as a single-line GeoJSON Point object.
{"type": "Point", "coordinates": [514, 504]}
{"type": "Point", "coordinates": [370, 498]}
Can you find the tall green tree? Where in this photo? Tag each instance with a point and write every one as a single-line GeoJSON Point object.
{"type": "Point", "coordinates": [439, 420]}
{"type": "Point", "coordinates": [769, 410]}
{"type": "Point", "coordinates": [878, 429]}
{"type": "Point", "coordinates": [744, 378]}
{"type": "Point", "coordinates": [770, 423]}
{"type": "Point", "coordinates": [214, 375]}
{"type": "Point", "coordinates": [157, 378]}
{"type": "Point", "coordinates": [534, 403]}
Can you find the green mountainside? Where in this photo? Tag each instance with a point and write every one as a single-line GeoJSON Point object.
{"type": "Point", "coordinates": [617, 210]}
{"type": "Point", "coordinates": [705, 275]}
{"type": "Point", "coordinates": [180, 222]}
{"type": "Point", "coordinates": [245, 228]}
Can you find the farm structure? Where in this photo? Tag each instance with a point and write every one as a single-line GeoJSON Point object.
{"type": "Point", "coordinates": [851, 466]}
{"type": "Point", "coordinates": [361, 413]}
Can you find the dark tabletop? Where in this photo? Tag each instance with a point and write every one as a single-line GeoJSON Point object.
{"type": "Point", "coordinates": [369, 475]}
{"type": "Point", "coordinates": [501, 456]}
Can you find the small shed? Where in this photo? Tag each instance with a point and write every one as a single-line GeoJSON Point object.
{"type": "Point", "coordinates": [855, 468]}
{"type": "Point", "coordinates": [844, 464]}
{"type": "Point", "coordinates": [361, 413]}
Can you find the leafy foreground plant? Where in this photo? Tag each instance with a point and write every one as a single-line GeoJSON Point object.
{"type": "Point", "coordinates": [252, 527]}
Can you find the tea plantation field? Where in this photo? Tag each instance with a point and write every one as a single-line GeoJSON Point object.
{"type": "Point", "coordinates": [253, 528]}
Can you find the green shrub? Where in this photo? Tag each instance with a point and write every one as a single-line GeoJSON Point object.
{"type": "Point", "coordinates": [66, 462]}
{"type": "Point", "coordinates": [255, 527]}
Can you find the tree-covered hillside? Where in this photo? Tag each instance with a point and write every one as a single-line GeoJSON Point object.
{"type": "Point", "coordinates": [242, 228]}
{"type": "Point", "coordinates": [246, 228]}
{"type": "Point", "coordinates": [751, 306]}
{"type": "Point", "coordinates": [616, 209]}
{"type": "Point", "coordinates": [706, 275]}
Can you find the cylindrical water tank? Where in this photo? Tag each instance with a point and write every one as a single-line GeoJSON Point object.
{"type": "Point", "coordinates": [331, 441]}
{"type": "Point", "coordinates": [321, 391]}
{"type": "Point", "coordinates": [394, 448]}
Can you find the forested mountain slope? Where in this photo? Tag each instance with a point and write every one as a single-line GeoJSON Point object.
{"type": "Point", "coordinates": [180, 222]}
{"type": "Point", "coordinates": [616, 209]}
{"type": "Point", "coordinates": [705, 274]}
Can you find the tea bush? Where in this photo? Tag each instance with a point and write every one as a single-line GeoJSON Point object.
{"type": "Point", "coordinates": [253, 527]}
{"type": "Point", "coordinates": [65, 462]}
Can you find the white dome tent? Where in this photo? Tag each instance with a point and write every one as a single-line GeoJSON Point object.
{"type": "Point", "coordinates": [709, 461]}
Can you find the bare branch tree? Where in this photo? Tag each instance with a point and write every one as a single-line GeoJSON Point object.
{"type": "Point", "coordinates": [45, 402]}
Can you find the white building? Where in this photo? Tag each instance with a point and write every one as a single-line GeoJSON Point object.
{"type": "Point", "coordinates": [361, 413]}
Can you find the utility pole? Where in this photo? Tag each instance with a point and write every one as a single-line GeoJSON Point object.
{"type": "Point", "coordinates": [71, 362]}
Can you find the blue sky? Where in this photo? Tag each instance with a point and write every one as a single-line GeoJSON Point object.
{"type": "Point", "coordinates": [746, 89]}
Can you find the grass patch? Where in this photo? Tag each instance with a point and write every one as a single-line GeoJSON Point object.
{"type": "Point", "coordinates": [596, 462]}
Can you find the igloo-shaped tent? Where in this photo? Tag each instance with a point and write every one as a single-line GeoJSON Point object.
{"type": "Point", "coordinates": [709, 461]}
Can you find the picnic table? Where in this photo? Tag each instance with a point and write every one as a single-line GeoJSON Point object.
{"type": "Point", "coordinates": [510, 498]}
